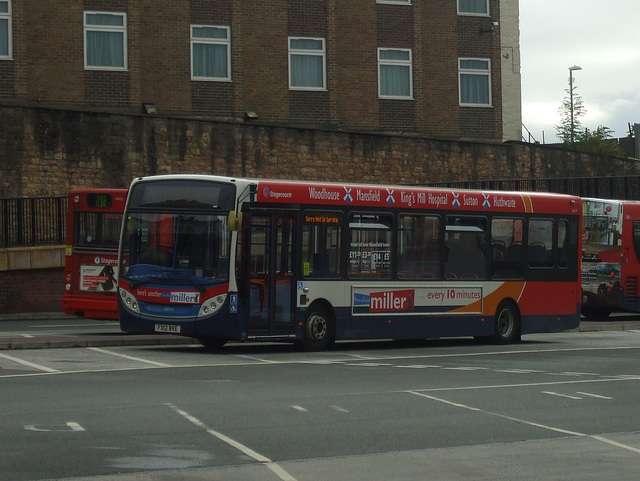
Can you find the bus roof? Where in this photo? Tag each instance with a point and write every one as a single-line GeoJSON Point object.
{"type": "Point", "coordinates": [396, 196]}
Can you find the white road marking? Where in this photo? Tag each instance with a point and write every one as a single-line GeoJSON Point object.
{"type": "Point", "coordinates": [420, 366]}
{"type": "Point", "coordinates": [529, 423]}
{"type": "Point", "coordinates": [29, 364]}
{"type": "Point", "coordinates": [520, 371]}
{"type": "Point", "coordinates": [470, 368]}
{"type": "Point", "coordinates": [130, 358]}
{"type": "Point", "coordinates": [259, 359]}
{"type": "Point", "coordinates": [597, 396]}
{"type": "Point", "coordinates": [45, 428]}
{"type": "Point", "coordinates": [274, 467]}
{"type": "Point", "coordinates": [299, 408]}
{"type": "Point", "coordinates": [338, 408]}
{"type": "Point", "coordinates": [551, 393]}
{"type": "Point", "coordinates": [368, 364]}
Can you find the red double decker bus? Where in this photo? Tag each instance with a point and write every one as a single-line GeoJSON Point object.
{"type": "Point", "coordinates": [218, 259]}
{"type": "Point", "coordinates": [94, 220]}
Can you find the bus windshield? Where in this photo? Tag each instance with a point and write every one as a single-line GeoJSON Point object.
{"type": "Point", "coordinates": [185, 248]}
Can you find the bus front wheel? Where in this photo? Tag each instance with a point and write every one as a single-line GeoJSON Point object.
{"type": "Point", "coordinates": [317, 329]}
{"type": "Point", "coordinates": [507, 323]}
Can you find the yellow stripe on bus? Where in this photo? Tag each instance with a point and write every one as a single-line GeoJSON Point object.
{"type": "Point", "coordinates": [490, 303]}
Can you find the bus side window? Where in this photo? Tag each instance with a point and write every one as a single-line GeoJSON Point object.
{"type": "Point", "coordinates": [465, 248]}
{"type": "Point", "coordinates": [507, 252]}
{"type": "Point", "coordinates": [539, 252]}
{"type": "Point", "coordinates": [418, 247]}
{"type": "Point", "coordinates": [370, 245]}
{"type": "Point", "coordinates": [562, 246]}
{"type": "Point", "coordinates": [636, 238]}
{"type": "Point", "coordinates": [321, 234]}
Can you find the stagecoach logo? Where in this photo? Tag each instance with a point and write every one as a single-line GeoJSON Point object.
{"type": "Point", "coordinates": [387, 301]}
{"type": "Point", "coordinates": [268, 193]}
{"type": "Point", "coordinates": [486, 203]}
{"type": "Point", "coordinates": [390, 199]}
{"type": "Point", "coordinates": [456, 202]}
{"type": "Point", "coordinates": [101, 261]}
{"type": "Point", "coordinates": [347, 198]}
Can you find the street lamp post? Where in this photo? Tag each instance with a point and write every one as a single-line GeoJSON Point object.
{"type": "Point", "coordinates": [571, 70]}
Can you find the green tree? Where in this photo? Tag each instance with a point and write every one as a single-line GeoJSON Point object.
{"type": "Point", "coordinates": [567, 130]}
{"type": "Point", "coordinates": [600, 142]}
{"type": "Point", "coordinates": [570, 131]}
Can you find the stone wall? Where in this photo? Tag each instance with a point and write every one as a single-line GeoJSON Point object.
{"type": "Point", "coordinates": [45, 152]}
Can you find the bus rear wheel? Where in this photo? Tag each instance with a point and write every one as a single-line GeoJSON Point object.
{"type": "Point", "coordinates": [317, 329]}
{"type": "Point", "coordinates": [507, 329]}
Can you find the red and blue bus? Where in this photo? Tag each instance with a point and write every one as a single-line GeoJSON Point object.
{"type": "Point", "coordinates": [219, 259]}
{"type": "Point", "coordinates": [611, 257]}
{"type": "Point", "coordinates": [94, 219]}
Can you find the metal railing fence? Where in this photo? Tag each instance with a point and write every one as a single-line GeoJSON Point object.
{"type": "Point", "coordinates": [33, 221]}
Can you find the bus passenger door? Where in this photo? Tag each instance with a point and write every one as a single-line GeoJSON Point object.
{"type": "Point", "coordinates": [271, 281]}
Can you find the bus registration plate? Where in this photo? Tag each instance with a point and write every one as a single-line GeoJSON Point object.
{"type": "Point", "coordinates": [173, 328]}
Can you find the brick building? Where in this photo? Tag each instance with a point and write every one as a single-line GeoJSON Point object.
{"type": "Point", "coordinates": [441, 68]}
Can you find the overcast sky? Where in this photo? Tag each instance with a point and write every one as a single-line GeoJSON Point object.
{"type": "Point", "coordinates": [602, 37]}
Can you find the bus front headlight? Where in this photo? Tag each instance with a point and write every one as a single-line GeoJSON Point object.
{"type": "Point", "coordinates": [129, 301]}
{"type": "Point", "coordinates": [212, 305]}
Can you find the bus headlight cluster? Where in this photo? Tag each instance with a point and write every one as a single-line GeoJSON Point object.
{"type": "Point", "coordinates": [129, 301]}
{"type": "Point", "coordinates": [212, 305]}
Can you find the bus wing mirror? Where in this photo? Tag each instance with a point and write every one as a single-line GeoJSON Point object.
{"type": "Point", "coordinates": [235, 221]}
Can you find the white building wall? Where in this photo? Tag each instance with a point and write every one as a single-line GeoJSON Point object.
{"type": "Point", "coordinates": [511, 82]}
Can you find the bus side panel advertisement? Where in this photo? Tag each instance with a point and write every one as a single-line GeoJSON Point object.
{"type": "Point", "coordinates": [417, 301]}
{"type": "Point", "coordinates": [98, 278]}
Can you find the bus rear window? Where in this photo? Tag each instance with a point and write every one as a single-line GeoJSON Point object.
{"type": "Point", "coordinates": [95, 229]}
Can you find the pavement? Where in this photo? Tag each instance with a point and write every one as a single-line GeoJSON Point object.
{"type": "Point", "coordinates": [72, 331]}
{"type": "Point", "coordinates": [76, 334]}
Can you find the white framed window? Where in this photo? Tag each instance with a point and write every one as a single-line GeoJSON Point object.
{"type": "Point", "coordinates": [395, 79]}
{"type": "Point", "coordinates": [400, 2]}
{"type": "Point", "coordinates": [474, 82]}
{"type": "Point", "coordinates": [6, 36]}
{"type": "Point", "coordinates": [473, 7]}
{"type": "Point", "coordinates": [105, 41]}
{"type": "Point", "coordinates": [210, 53]}
{"type": "Point", "coordinates": [307, 63]}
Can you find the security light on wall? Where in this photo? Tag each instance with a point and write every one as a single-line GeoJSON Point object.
{"type": "Point", "coordinates": [250, 115]}
{"type": "Point", "coordinates": [493, 28]}
{"type": "Point", "coordinates": [149, 108]}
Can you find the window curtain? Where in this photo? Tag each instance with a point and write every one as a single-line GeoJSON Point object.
{"type": "Point", "coordinates": [4, 37]}
{"type": "Point", "coordinates": [473, 6]}
{"type": "Point", "coordinates": [210, 60]}
{"type": "Point", "coordinates": [105, 49]}
{"type": "Point", "coordinates": [306, 71]}
{"type": "Point", "coordinates": [394, 81]}
{"type": "Point", "coordinates": [475, 89]}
